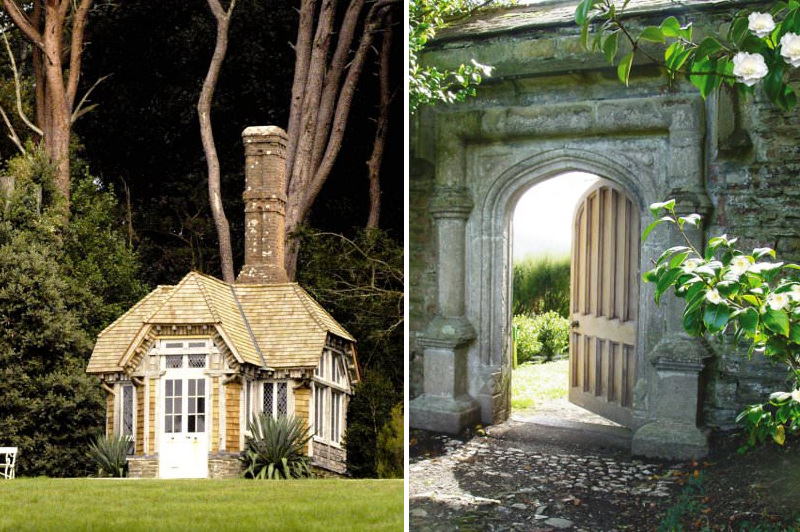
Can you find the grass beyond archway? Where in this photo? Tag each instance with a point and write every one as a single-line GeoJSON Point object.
{"type": "Point", "coordinates": [45, 504]}
{"type": "Point", "coordinates": [533, 384]}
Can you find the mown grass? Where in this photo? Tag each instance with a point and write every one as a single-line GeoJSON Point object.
{"type": "Point", "coordinates": [45, 504]}
{"type": "Point", "coordinates": [532, 384]}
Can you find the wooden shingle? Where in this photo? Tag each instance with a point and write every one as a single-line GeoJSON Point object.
{"type": "Point", "coordinates": [270, 325]}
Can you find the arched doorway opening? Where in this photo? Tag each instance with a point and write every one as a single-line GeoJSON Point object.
{"type": "Point", "coordinates": [575, 283]}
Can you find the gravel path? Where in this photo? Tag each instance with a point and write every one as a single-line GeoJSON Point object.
{"type": "Point", "coordinates": [531, 476]}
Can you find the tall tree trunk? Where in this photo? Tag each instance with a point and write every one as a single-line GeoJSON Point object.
{"type": "Point", "coordinates": [382, 128]}
{"type": "Point", "coordinates": [58, 70]}
{"type": "Point", "coordinates": [315, 136]}
{"type": "Point", "coordinates": [223, 18]}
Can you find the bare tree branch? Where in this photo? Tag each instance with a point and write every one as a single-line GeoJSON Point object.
{"type": "Point", "coordinates": [12, 133]}
{"type": "Point", "coordinates": [79, 109]}
{"type": "Point", "coordinates": [18, 88]}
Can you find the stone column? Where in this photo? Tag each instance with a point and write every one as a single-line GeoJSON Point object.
{"type": "Point", "coordinates": [264, 205]}
{"type": "Point", "coordinates": [445, 405]}
{"type": "Point", "coordinates": [675, 430]}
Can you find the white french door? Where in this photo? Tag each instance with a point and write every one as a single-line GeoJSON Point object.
{"type": "Point", "coordinates": [184, 419]}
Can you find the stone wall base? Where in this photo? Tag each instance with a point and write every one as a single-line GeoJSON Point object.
{"type": "Point", "coordinates": [671, 441]}
{"type": "Point", "coordinates": [143, 467]}
{"type": "Point", "coordinates": [328, 457]}
{"type": "Point", "coordinates": [224, 465]}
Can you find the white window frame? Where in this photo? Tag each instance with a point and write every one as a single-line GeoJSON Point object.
{"type": "Point", "coordinates": [120, 414]}
{"type": "Point", "coordinates": [289, 396]}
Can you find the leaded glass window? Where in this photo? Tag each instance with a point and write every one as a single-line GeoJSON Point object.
{"type": "Point", "coordinates": [269, 398]}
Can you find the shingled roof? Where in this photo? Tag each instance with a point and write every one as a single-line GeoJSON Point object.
{"type": "Point", "coordinates": [280, 322]}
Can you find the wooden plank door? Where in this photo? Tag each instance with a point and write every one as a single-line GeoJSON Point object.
{"type": "Point", "coordinates": [604, 295]}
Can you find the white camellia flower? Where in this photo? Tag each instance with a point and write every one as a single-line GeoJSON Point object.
{"type": "Point", "coordinates": [795, 293]}
{"type": "Point", "coordinates": [790, 49]}
{"type": "Point", "coordinates": [739, 265]}
{"type": "Point", "coordinates": [796, 395]}
{"type": "Point", "coordinates": [761, 24]}
{"type": "Point", "coordinates": [749, 68]}
{"type": "Point", "coordinates": [713, 296]}
{"type": "Point", "coordinates": [691, 265]}
{"type": "Point", "coordinates": [778, 301]}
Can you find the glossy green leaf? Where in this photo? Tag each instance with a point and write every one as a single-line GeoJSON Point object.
{"type": "Point", "coordinates": [794, 334]}
{"type": "Point", "coordinates": [692, 323]}
{"type": "Point", "coordinates": [666, 280]}
{"type": "Point", "coordinates": [655, 208]}
{"type": "Point", "coordinates": [671, 27]}
{"type": "Point", "coordinates": [707, 47]}
{"type": "Point", "coordinates": [652, 34]}
{"type": "Point", "coordinates": [610, 46]}
{"type": "Point", "coordinates": [748, 320]}
{"type": "Point", "coordinates": [582, 11]}
{"type": "Point", "coordinates": [669, 252]}
{"type": "Point", "coordinates": [624, 68]}
{"type": "Point", "coordinates": [777, 321]}
{"type": "Point", "coordinates": [678, 259]}
{"type": "Point", "coordinates": [715, 317]}
{"type": "Point", "coordinates": [704, 76]}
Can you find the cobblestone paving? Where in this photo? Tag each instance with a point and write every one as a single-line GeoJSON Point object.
{"type": "Point", "coordinates": [491, 484]}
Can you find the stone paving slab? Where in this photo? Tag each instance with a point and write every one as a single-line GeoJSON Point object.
{"type": "Point", "coordinates": [488, 483]}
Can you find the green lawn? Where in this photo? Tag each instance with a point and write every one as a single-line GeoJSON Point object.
{"type": "Point", "coordinates": [45, 504]}
{"type": "Point", "coordinates": [532, 384]}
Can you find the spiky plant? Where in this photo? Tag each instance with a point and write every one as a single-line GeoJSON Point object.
{"type": "Point", "coordinates": [110, 455]}
{"type": "Point", "coordinates": [276, 448]}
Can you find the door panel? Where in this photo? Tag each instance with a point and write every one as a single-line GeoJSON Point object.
{"type": "Point", "coordinates": [603, 299]}
{"type": "Point", "coordinates": [184, 438]}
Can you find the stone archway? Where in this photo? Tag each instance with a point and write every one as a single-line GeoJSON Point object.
{"type": "Point", "coordinates": [484, 160]}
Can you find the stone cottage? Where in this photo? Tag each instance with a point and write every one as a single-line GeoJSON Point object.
{"type": "Point", "coordinates": [551, 107]}
{"type": "Point", "coordinates": [190, 364]}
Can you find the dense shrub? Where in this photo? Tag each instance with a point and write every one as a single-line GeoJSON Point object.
{"type": "Point", "coordinates": [541, 285]}
{"type": "Point", "coordinates": [368, 411]}
{"type": "Point", "coordinates": [360, 282]}
{"type": "Point", "coordinates": [391, 445]}
{"type": "Point", "coordinates": [276, 448]}
{"type": "Point", "coordinates": [541, 336]}
{"type": "Point", "coordinates": [49, 313]}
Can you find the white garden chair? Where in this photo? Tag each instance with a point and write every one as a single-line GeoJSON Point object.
{"type": "Point", "coordinates": [8, 460]}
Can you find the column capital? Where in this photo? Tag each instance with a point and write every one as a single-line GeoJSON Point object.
{"type": "Point", "coordinates": [451, 202]}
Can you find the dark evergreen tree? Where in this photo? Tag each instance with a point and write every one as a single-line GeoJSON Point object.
{"type": "Point", "coordinates": [52, 303]}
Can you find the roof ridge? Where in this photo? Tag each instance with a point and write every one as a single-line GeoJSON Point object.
{"type": "Point", "coordinates": [247, 326]}
{"type": "Point", "coordinates": [206, 296]}
{"type": "Point", "coordinates": [309, 303]}
{"type": "Point", "coordinates": [136, 305]}
{"type": "Point", "coordinates": [167, 299]}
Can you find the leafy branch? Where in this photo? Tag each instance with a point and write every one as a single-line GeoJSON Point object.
{"type": "Point", "coordinates": [756, 48]}
{"type": "Point", "coordinates": [751, 294]}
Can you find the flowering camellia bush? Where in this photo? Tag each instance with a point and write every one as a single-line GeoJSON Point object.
{"type": "Point", "coordinates": [750, 295]}
{"type": "Point", "coordinates": [759, 47]}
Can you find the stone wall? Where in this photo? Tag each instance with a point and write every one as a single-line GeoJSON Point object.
{"type": "Point", "coordinates": [329, 457]}
{"type": "Point", "coordinates": [224, 465]}
{"type": "Point", "coordinates": [750, 150]}
{"type": "Point", "coordinates": [143, 467]}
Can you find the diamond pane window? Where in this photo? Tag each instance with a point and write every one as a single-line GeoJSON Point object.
{"type": "Point", "coordinates": [173, 361]}
{"type": "Point", "coordinates": [282, 398]}
{"type": "Point", "coordinates": [197, 361]}
{"type": "Point", "coordinates": [269, 399]}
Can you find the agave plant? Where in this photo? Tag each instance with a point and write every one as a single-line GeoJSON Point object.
{"type": "Point", "coordinates": [276, 448]}
{"type": "Point", "coordinates": [109, 454]}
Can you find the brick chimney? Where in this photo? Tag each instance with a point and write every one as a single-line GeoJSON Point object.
{"type": "Point", "coordinates": [264, 205]}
